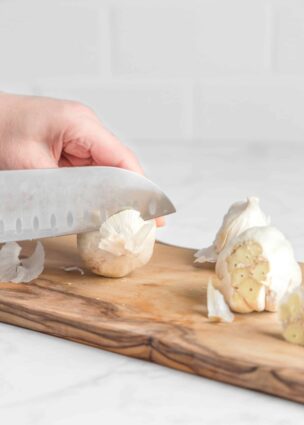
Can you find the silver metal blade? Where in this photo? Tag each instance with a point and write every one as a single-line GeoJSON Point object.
{"type": "Point", "coordinates": [52, 202]}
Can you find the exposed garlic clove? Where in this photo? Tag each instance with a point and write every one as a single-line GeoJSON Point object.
{"type": "Point", "coordinates": [256, 269]}
{"type": "Point", "coordinates": [240, 217]}
{"type": "Point", "coordinates": [253, 293]}
{"type": "Point", "coordinates": [238, 304]}
{"type": "Point", "coordinates": [218, 310]}
{"type": "Point", "coordinates": [294, 333]}
{"type": "Point", "coordinates": [291, 313]}
{"type": "Point", "coordinates": [124, 242]}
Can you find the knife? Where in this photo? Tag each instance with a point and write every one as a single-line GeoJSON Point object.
{"type": "Point", "coordinates": [52, 202]}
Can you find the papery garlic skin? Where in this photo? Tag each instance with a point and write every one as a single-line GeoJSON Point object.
{"type": "Point", "coordinates": [218, 310]}
{"type": "Point", "coordinates": [240, 217]}
{"type": "Point", "coordinates": [16, 270]}
{"type": "Point", "coordinates": [123, 243]}
{"type": "Point", "coordinates": [291, 314]}
{"type": "Point", "coordinates": [256, 269]}
{"type": "Point", "coordinates": [73, 269]}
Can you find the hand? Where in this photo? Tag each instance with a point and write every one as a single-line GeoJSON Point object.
{"type": "Point", "coordinates": [39, 132]}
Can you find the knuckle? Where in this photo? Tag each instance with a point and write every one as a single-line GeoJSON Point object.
{"type": "Point", "coordinates": [78, 108]}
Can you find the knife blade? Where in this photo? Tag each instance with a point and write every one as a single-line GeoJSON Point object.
{"type": "Point", "coordinates": [53, 202]}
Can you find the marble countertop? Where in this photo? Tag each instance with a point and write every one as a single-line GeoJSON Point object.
{"type": "Point", "coordinates": [48, 381]}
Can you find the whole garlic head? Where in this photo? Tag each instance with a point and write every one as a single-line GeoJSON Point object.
{"type": "Point", "coordinates": [240, 217]}
{"type": "Point", "coordinates": [123, 243]}
{"type": "Point", "coordinates": [291, 313]}
{"type": "Point", "coordinates": [256, 269]}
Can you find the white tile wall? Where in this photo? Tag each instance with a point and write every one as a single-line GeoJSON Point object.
{"type": "Point", "coordinates": [289, 32]}
{"type": "Point", "coordinates": [230, 37]}
{"type": "Point", "coordinates": [151, 40]}
{"type": "Point", "coordinates": [163, 69]}
{"type": "Point", "coordinates": [252, 110]}
{"type": "Point", "coordinates": [46, 39]}
{"type": "Point", "coordinates": [134, 110]}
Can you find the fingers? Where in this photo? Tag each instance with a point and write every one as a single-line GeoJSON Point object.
{"type": "Point", "coordinates": [68, 160]}
{"type": "Point", "coordinates": [160, 221]}
{"type": "Point", "coordinates": [28, 155]}
{"type": "Point", "coordinates": [91, 144]}
{"type": "Point", "coordinates": [113, 153]}
{"type": "Point", "coordinates": [86, 137]}
{"type": "Point", "coordinates": [107, 150]}
{"type": "Point", "coordinates": [63, 162]}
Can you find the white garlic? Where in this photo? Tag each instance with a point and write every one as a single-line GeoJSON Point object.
{"type": "Point", "coordinates": [256, 269]}
{"type": "Point", "coordinates": [123, 243]}
{"type": "Point", "coordinates": [240, 217]}
{"type": "Point", "coordinates": [14, 269]}
{"type": "Point", "coordinates": [291, 313]}
{"type": "Point", "coordinates": [218, 310]}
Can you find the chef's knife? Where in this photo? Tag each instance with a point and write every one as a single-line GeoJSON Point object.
{"type": "Point", "coordinates": [51, 202]}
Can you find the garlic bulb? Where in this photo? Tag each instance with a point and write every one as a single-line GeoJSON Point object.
{"type": "Point", "coordinates": [291, 313]}
{"type": "Point", "coordinates": [256, 269]}
{"type": "Point", "coordinates": [218, 310]}
{"type": "Point", "coordinates": [123, 243]}
{"type": "Point", "coordinates": [240, 217]}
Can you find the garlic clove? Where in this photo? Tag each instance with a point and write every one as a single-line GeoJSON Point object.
{"type": "Point", "coordinates": [12, 269]}
{"type": "Point", "coordinates": [238, 304]}
{"type": "Point", "coordinates": [240, 217]}
{"type": "Point", "coordinates": [294, 333]}
{"type": "Point", "coordinates": [218, 310]}
{"type": "Point", "coordinates": [291, 314]}
{"type": "Point", "coordinates": [124, 242]}
{"type": "Point", "coordinates": [253, 293]}
{"type": "Point", "coordinates": [256, 269]}
{"type": "Point", "coordinates": [238, 276]}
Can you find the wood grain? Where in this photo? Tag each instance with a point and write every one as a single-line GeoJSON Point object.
{"type": "Point", "coordinates": [157, 314]}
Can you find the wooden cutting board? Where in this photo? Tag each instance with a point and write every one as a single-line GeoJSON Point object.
{"type": "Point", "coordinates": [157, 314]}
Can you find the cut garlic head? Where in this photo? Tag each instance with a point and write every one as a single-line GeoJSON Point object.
{"type": "Point", "coordinates": [291, 313]}
{"type": "Point", "coordinates": [256, 269]}
{"type": "Point", "coordinates": [240, 217]}
{"type": "Point", "coordinates": [123, 243]}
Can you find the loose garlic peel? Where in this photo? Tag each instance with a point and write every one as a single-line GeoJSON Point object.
{"type": "Point", "coordinates": [291, 313]}
{"type": "Point", "coordinates": [16, 270]}
{"type": "Point", "coordinates": [240, 217]}
{"type": "Point", "coordinates": [256, 269]}
{"type": "Point", "coordinates": [123, 243]}
{"type": "Point", "coordinates": [218, 310]}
